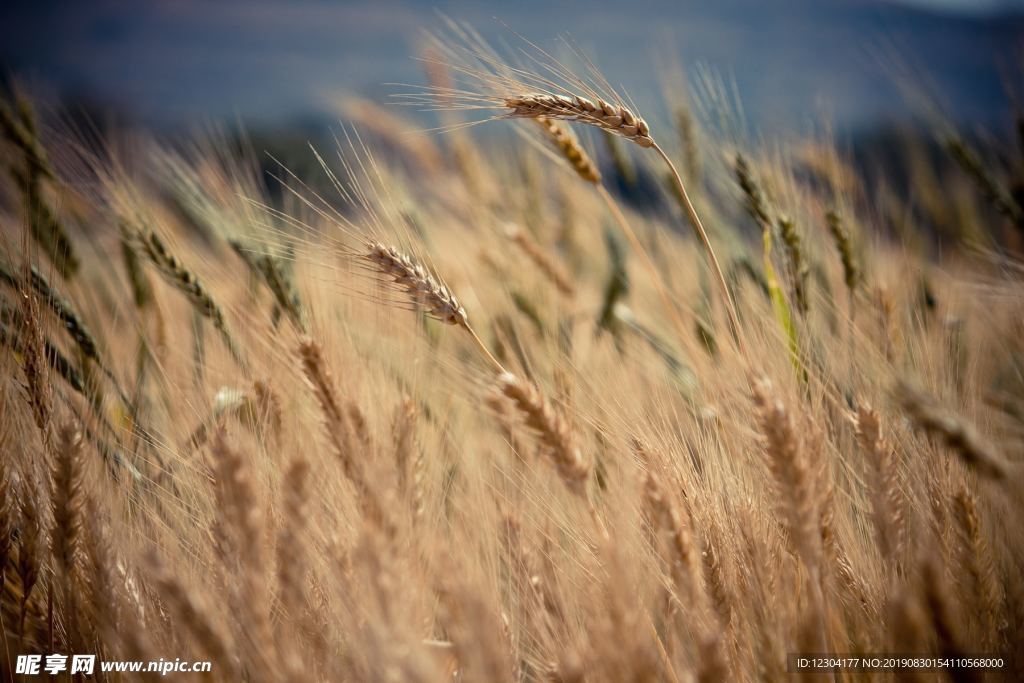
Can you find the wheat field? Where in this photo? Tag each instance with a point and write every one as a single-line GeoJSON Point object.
{"type": "Point", "coordinates": [453, 407]}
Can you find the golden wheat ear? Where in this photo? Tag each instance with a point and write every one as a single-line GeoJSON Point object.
{"type": "Point", "coordinates": [552, 430]}
{"type": "Point", "coordinates": [423, 289]}
{"type": "Point", "coordinates": [416, 282]}
{"type": "Point", "coordinates": [614, 118]}
{"type": "Point", "coordinates": [566, 143]}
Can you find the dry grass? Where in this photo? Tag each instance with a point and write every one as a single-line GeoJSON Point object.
{"type": "Point", "coordinates": [566, 488]}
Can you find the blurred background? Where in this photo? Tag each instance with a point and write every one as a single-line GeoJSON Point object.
{"type": "Point", "coordinates": [286, 63]}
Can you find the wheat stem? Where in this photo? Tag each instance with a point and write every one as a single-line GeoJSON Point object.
{"type": "Point", "coordinates": [659, 281]}
{"type": "Point", "coordinates": [698, 227]}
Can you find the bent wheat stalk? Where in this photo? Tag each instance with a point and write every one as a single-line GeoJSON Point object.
{"type": "Point", "coordinates": [618, 120]}
{"type": "Point", "coordinates": [698, 226]}
{"type": "Point", "coordinates": [586, 169]}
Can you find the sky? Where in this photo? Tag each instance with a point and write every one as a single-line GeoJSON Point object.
{"type": "Point", "coordinates": [169, 62]}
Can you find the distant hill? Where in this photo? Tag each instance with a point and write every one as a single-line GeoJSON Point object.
{"type": "Point", "coordinates": [273, 60]}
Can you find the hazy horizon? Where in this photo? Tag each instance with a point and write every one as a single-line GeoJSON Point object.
{"type": "Point", "coordinates": [269, 61]}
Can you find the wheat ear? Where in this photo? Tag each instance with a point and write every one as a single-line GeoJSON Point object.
{"type": "Point", "coordinates": [66, 498]}
{"type": "Point", "coordinates": [424, 290]}
{"type": "Point", "coordinates": [615, 119]}
{"type": "Point", "coordinates": [619, 120]}
{"type": "Point", "coordinates": [669, 518]}
{"type": "Point", "coordinates": [844, 245]}
{"type": "Point", "coordinates": [789, 468]}
{"type": "Point", "coordinates": [544, 262]}
{"type": "Point", "coordinates": [566, 143]}
{"type": "Point", "coordinates": [7, 518]}
{"type": "Point", "coordinates": [342, 435]}
{"type": "Point", "coordinates": [886, 499]}
{"type": "Point", "coordinates": [551, 428]}
{"type": "Point", "coordinates": [185, 281]}
{"type": "Point", "coordinates": [958, 434]}
{"type": "Point", "coordinates": [580, 161]}
{"type": "Point", "coordinates": [291, 556]}
{"type": "Point", "coordinates": [192, 613]}
{"type": "Point", "coordinates": [793, 478]}
{"type": "Point", "coordinates": [28, 554]}
{"type": "Point", "coordinates": [978, 562]}
{"type": "Point", "coordinates": [404, 438]}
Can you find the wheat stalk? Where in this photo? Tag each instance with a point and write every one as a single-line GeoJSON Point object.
{"type": "Point", "coordinates": [619, 120]}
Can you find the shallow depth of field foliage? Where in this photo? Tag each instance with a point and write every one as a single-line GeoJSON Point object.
{"type": "Point", "coordinates": [461, 406]}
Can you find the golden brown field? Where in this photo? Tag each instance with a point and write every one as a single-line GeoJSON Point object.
{"type": "Point", "coordinates": [449, 409]}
